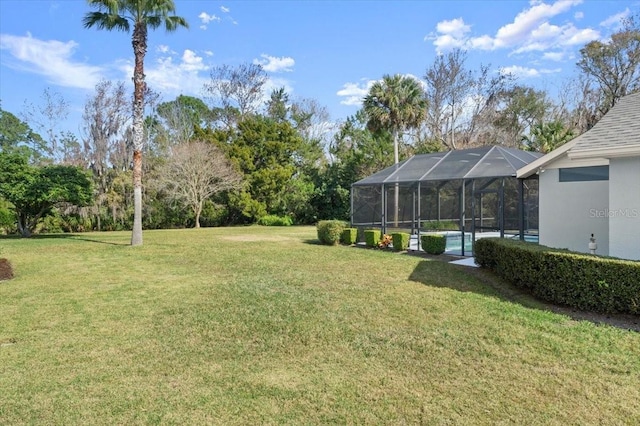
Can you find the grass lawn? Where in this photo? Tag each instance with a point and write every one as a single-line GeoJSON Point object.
{"type": "Point", "coordinates": [263, 326]}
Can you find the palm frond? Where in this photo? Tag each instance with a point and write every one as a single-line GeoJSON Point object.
{"type": "Point", "coordinates": [104, 20]}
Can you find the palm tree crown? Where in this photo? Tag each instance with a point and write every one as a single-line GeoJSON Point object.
{"type": "Point", "coordinates": [395, 103]}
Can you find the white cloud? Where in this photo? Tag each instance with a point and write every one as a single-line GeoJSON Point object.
{"type": "Point", "coordinates": [578, 16]}
{"type": "Point", "coordinates": [615, 21]}
{"type": "Point", "coordinates": [208, 52]}
{"type": "Point", "coordinates": [553, 56]}
{"type": "Point", "coordinates": [191, 61]}
{"type": "Point", "coordinates": [52, 59]}
{"type": "Point", "coordinates": [447, 42]}
{"type": "Point", "coordinates": [580, 37]}
{"type": "Point", "coordinates": [455, 28]}
{"type": "Point", "coordinates": [174, 77]}
{"type": "Point", "coordinates": [205, 18]}
{"type": "Point", "coordinates": [163, 48]}
{"type": "Point", "coordinates": [224, 9]}
{"type": "Point", "coordinates": [353, 93]}
{"type": "Point", "coordinates": [531, 30]}
{"type": "Point", "coordinates": [450, 35]}
{"type": "Point", "coordinates": [525, 22]}
{"type": "Point", "coordinates": [275, 64]}
{"type": "Point", "coordinates": [523, 72]}
{"type": "Point", "coordinates": [484, 42]}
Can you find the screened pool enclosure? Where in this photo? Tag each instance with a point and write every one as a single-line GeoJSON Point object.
{"type": "Point", "coordinates": [465, 195]}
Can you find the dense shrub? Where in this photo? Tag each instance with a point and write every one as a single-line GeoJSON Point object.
{"type": "Point", "coordinates": [434, 244]}
{"type": "Point", "coordinates": [273, 220]}
{"type": "Point", "coordinates": [400, 241]}
{"type": "Point", "coordinates": [600, 284]}
{"type": "Point", "coordinates": [329, 231]}
{"type": "Point", "coordinates": [349, 236]}
{"type": "Point", "coordinates": [440, 225]}
{"type": "Point", "coordinates": [372, 237]}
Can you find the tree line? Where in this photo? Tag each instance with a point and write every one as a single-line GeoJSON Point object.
{"type": "Point", "coordinates": [238, 153]}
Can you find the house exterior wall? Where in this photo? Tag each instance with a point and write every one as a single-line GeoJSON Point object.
{"type": "Point", "coordinates": [624, 208]}
{"type": "Point", "coordinates": [569, 213]}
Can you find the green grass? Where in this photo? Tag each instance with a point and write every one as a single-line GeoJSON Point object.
{"type": "Point", "coordinates": [260, 325]}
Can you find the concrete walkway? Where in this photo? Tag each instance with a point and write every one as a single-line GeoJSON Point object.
{"type": "Point", "coordinates": [469, 261]}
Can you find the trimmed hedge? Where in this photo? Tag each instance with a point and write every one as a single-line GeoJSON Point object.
{"type": "Point", "coordinates": [600, 284]}
{"type": "Point", "coordinates": [372, 237]}
{"type": "Point", "coordinates": [273, 220]}
{"type": "Point", "coordinates": [349, 236]}
{"type": "Point", "coordinates": [440, 225]}
{"type": "Point", "coordinates": [434, 244]}
{"type": "Point", "coordinates": [400, 241]}
{"type": "Point", "coordinates": [329, 231]}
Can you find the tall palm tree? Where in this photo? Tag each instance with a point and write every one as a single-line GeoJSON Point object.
{"type": "Point", "coordinates": [396, 104]}
{"type": "Point", "coordinates": [143, 14]}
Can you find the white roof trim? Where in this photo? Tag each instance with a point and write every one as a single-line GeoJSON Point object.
{"type": "Point", "coordinates": [606, 152]}
{"type": "Point", "coordinates": [533, 167]}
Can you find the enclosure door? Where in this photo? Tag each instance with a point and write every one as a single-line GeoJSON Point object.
{"type": "Point", "coordinates": [487, 211]}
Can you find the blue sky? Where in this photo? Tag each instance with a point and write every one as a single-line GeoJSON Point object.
{"type": "Point", "coordinates": [327, 50]}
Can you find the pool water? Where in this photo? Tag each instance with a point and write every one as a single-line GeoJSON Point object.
{"type": "Point", "coordinates": [454, 241]}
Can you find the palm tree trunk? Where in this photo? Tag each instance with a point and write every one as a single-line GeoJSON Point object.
{"type": "Point", "coordinates": [139, 42]}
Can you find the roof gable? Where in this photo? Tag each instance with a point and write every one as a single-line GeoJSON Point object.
{"type": "Point", "coordinates": [617, 132]}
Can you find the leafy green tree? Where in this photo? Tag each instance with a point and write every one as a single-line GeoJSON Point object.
{"type": "Point", "coordinates": [395, 104]}
{"type": "Point", "coordinates": [264, 151]}
{"type": "Point", "coordinates": [277, 105]}
{"type": "Point", "coordinates": [16, 135]}
{"type": "Point", "coordinates": [519, 108]}
{"type": "Point", "coordinates": [35, 191]}
{"type": "Point", "coordinates": [182, 117]}
{"type": "Point", "coordinates": [355, 153]}
{"type": "Point", "coordinates": [143, 14]}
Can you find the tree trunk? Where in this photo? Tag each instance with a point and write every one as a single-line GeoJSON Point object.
{"type": "Point", "coordinates": [23, 226]}
{"type": "Point", "coordinates": [197, 211]}
{"type": "Point", "coordinates": [136, 236]}
{"type": "Point", "coordinates": [139, 43]}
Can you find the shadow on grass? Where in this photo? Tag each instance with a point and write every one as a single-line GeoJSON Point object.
{"type": "Point", "coordinates": [439, 273]}
{"type": "Point", "coordinates": [72, 236]}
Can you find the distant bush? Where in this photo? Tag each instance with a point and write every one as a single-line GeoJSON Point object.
{"type": "Point", "coordinates": [400, 240]}
{"type": "Point", "coordinates": [600, 284]}
{"type": "Point", "coordinates": [433, 244]}
{"type": "Point", "coordinates": [372, 237]}
{"type": "Point", "coordinates": [273, 220]}
{"type": "Point", "coordinates": [329, 231]}
{"type": "Point", "coordinates": [349, 236]}
{"type": "Point", "coordinates": [440, 225]}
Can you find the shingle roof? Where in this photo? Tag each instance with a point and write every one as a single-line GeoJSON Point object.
{"type": "Point", "coordinates": [618, 129]}
{"type": "Point", "coordinates": [617, 134]}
